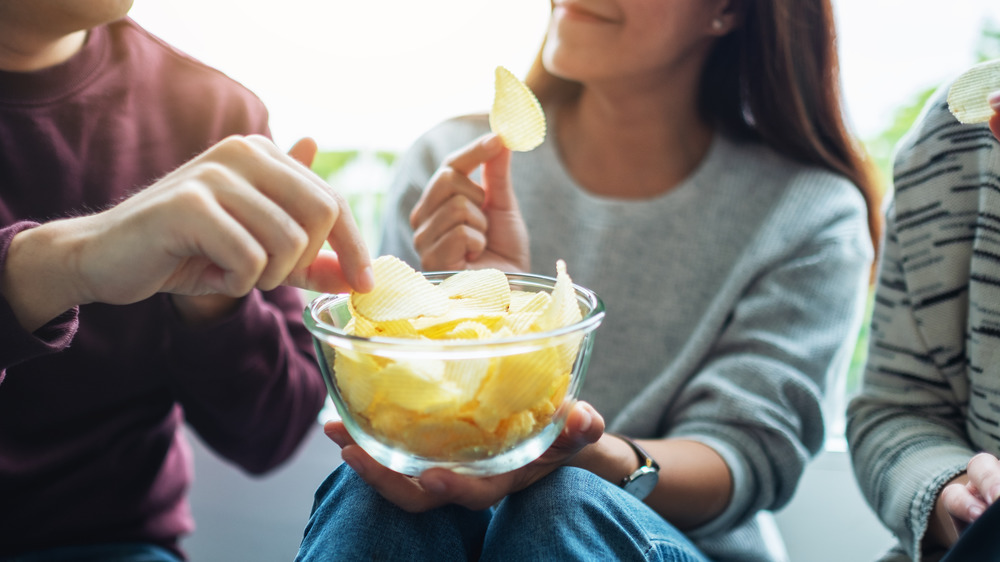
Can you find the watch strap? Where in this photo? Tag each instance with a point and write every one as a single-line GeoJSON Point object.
{"type": "Point", "coordinates": [645, 459]}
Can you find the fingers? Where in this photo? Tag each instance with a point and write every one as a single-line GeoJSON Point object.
{"type": "Point", "coordinates": [455, 234]}
{"type": "Point", "coordinates": [447, 188]}
{"type": "Point", "coordinates": [483, 149]}
{"type": "Point", "coordinates": [311, 213]}
{"type": "Point", "coordinates": [961, 503]}
{"type": "Point", "coordinates": [497, 184]}
{"type": "Point", "coordinates": [966, 502]}
{"type": "Point", "coordinates": [984, 476]}
{"type": "Point", "coordinates": [584, 425]}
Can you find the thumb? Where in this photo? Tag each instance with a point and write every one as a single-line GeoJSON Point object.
{"type": "Point", "coordinates": [497, 185]}
{"type": "Point", "coordinates": [304, 151]}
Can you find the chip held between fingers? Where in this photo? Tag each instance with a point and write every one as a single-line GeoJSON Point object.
{"type": "Point", "coordinates": [970, 98]}
{"type": "Point", "coordinates": [516, 116]}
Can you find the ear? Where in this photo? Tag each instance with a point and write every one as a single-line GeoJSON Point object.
{"type": "Point", "coordinates": [726, 17]}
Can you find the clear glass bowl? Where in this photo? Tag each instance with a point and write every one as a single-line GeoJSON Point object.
{"type": "Point", "coordinates": [411, 443]}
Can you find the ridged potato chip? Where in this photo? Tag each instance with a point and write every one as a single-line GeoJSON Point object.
{"type": "Point", "coordinates": [479, 289]}
{"type": "Point", "coordinates": [400, 293]}
{"type": "Point", "coordinates": [516, 115]}
{"type": "Point", "coordinates": [969, 94]}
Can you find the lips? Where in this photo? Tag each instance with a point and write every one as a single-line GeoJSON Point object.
{"type": "Point", "coordinates": [584, 12]}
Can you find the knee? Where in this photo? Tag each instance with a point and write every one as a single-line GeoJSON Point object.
{"type": "Point", "coordinates": [567, 494]}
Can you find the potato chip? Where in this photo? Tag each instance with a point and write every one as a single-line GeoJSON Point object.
{"type": "Point", "coordinates": [516, 116]}
{"type": "Point", "coordinates": [968, 98]}
{"type": "Point", "coordinates": [467, 375]}
{"type": "Point", "coordinates": [416, 385]}
{"type": "Point", "coordinates": [563, 309]}
{"type": "Point", "coordinates": [353, 371]}
{"type": "Point", "coordinates": [400, 293]}
{"type": "Point", "coordinates": [480, 289]}
{"type": "Point", "coordinates": [364, 327]}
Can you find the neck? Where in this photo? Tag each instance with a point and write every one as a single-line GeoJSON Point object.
{"type": "Point", "coordinates": [25, 52]}
{"type": "Point", "coordinates": [635, 141]}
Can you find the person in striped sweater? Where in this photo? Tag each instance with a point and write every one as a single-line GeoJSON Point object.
{"type": "Point", "coordinates": [924, 430]}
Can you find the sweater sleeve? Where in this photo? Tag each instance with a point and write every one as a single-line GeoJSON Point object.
{"type": "Point", "coordinates": [16, 344]}
{"type": "Point", "coordinates": [757, 398]}
{"type": "Point", "coordinates": [250, 385]}
{"type": "Point", "coordinates": [906, 437]}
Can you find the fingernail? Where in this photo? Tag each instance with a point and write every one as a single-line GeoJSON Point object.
{"type": "Point", "coordinates": [975, 511]}
{"type": "Point", "coordinates": [994, 100]}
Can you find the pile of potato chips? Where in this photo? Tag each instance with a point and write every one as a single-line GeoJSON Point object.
{"type": "Point", "coordinates": [457, 408]}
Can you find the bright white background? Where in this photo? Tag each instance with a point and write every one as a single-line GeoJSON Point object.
{"type": "Point", "coordinates": [375, 74]}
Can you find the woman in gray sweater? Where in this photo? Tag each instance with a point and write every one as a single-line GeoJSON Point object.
{"type": "Point", "coordinates": [727, 221]}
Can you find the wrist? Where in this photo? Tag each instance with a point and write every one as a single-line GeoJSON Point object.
{"type": "Point", "coordinates": [641, 481]}
{"type": "Point", "coordinates": [609, 457]}
{"type": "Point", "coordinates": [37, 278]}
{"type": "Point", "coordinates": [942, 530]}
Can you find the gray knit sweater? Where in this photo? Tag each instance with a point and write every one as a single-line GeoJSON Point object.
{"type": "Point", "coordinates": [732, 300]}
{"type": "Point", "coordinates": [931, 393]}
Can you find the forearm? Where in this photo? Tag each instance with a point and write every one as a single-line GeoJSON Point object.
{"type": "Point", "coordinates": [694, 485]}
{"type": "Point", "coordinates": [37, 277]}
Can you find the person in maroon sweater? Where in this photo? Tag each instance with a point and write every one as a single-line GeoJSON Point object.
{"type": "Point", "coordinates": [149, 230]}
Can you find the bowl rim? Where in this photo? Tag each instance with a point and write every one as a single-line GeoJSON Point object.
{"type": "Point", "coordinates": [332, 335]}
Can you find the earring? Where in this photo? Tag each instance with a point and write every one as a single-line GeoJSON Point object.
{"type": "Point", "coordinates": [717, 24]}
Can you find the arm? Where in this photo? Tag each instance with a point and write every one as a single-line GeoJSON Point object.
{"type": "Point", "coordinates": [239, 216]}
{"type": "Point", "coordinates": [904, 424]}
{"type": "Point", "coordinates": [756, 401]}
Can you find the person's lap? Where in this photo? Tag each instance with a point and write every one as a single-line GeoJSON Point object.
{"type": "Point", "coordinates": [571, 514]}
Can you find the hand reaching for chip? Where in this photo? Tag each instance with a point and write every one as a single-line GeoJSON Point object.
{"type": "Point", "coordinates": [460, 224]}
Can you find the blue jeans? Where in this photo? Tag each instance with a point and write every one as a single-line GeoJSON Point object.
{"type": "Point", "coordinates": [571, 514]}
{"type": "Point", "coordinates": [118, 552]}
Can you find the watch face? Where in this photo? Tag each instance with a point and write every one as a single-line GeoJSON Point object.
{"type": "Point", "coordinates": [642, 482]}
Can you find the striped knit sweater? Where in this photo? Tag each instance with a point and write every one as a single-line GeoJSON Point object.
{"type": "Point", "coordinates": [931, 394]}
{"type": "Point", "coordinates": [732, 300]}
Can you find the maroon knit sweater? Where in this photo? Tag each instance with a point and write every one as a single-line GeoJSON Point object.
{"type": "Point", "coordinates": [91, 404]}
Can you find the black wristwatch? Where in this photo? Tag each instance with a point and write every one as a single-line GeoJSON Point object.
{"type": "Point", "coordinates": [641, 482]}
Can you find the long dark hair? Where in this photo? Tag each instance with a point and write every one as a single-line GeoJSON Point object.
{"type": "Point", "coordinates": [775, 79]}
